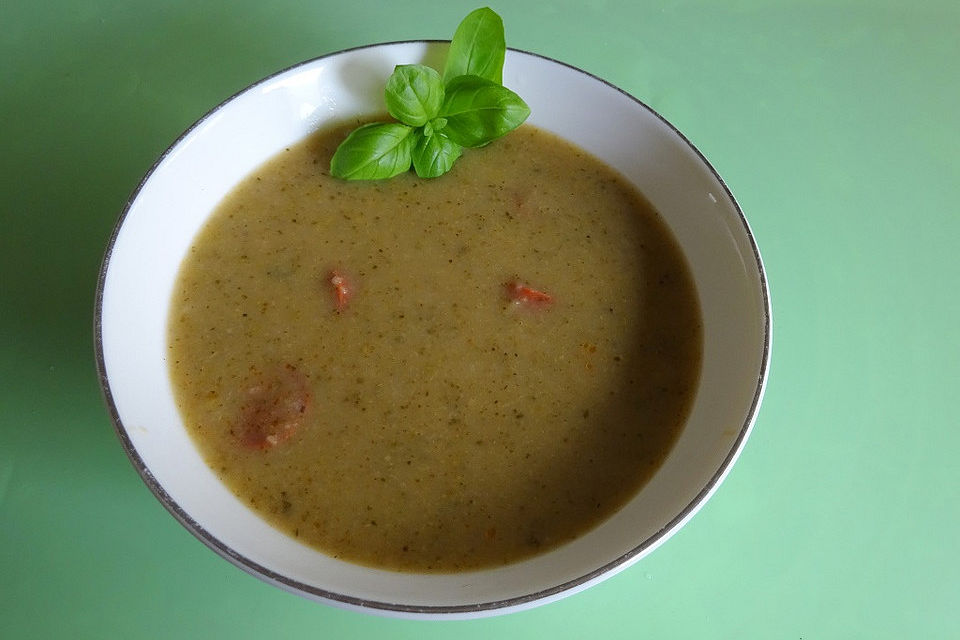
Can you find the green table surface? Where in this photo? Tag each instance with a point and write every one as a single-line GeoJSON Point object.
{"type": "Point", "coordinates": [835, 123]}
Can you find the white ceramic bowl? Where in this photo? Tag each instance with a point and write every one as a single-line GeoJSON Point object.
{"type": "Point", "coordinates": [181, 190]}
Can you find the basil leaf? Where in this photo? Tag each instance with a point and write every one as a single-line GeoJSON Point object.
{"type": "Point", "coordinates": [478, 47]}
{"type": "Point", "coordinates": [373, 152]}
{"type": "Point", "coordinates": [434, 125]}
{"type": "Point", "coordinates": [414, 94]}
{"type": "Point", "coordinates": [479, 110]}
{"type": "Point", "coordinates": [435, 154]}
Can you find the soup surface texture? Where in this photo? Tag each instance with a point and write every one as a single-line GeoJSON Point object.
{"type": "Point", "coordinates": [435, 375]}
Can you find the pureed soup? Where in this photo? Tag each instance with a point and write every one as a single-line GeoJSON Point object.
{"type": "Point", "coordinates": [435, 375]}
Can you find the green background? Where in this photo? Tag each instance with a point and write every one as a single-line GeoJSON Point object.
{"type": "Point", "coordinates": [836, 125]}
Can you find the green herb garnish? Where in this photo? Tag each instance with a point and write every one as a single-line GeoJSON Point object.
{"type": "Point", "coordinates": [438, 116]}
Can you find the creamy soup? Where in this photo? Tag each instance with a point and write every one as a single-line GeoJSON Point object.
{"type": "Point", "coordinates": [435, 375]}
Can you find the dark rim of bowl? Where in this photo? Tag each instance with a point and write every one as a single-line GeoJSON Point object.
{"type": "Point", "coordinates": [490, 607]}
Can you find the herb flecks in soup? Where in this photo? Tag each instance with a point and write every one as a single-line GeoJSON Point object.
{"type": "Point", "coordinates": [436, 375]}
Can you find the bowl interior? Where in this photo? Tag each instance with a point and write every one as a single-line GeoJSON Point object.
{"type": "Point", "coordinates": [196, 173]}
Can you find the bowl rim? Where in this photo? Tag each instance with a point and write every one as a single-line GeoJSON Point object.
{"type": "Point", "coordinates": [375, 606]}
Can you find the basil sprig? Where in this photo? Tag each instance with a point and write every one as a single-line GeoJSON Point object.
{"type": "Point", "coordinates": [438, 116]}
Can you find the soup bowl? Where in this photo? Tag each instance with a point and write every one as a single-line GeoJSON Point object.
{"type": "Point", "coordinates": [182, 189]}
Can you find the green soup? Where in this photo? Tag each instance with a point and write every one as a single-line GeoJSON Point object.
{"type": "Point", "coordinates": [436, 375]}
